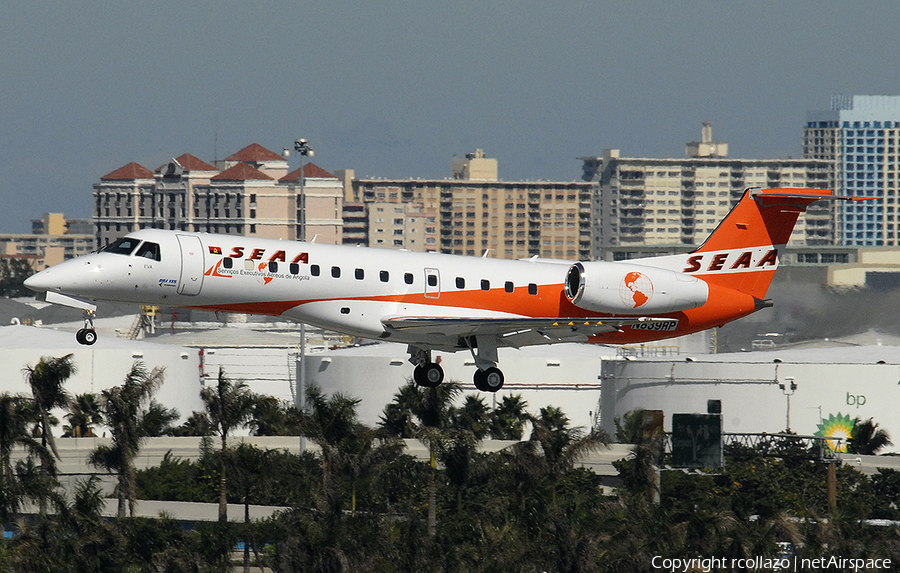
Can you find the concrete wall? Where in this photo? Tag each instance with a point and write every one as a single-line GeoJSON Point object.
{"type": "Point", "coordinates": [831, 382]}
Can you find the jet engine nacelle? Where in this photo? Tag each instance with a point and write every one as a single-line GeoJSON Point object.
{"type": "Point", "coordinates": [623, 288]}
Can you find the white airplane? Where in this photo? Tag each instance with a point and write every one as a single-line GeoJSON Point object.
{"type": "Point", "coordinates": [434, 301]}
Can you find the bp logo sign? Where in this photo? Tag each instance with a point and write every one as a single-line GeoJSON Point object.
{"type": "Point", "coordinates": [839, 426]}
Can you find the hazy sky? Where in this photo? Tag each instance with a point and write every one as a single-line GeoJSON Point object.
{"type": "Point", "coordinates": [395, 88]}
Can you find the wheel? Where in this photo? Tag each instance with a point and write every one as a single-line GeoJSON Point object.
{"type": "Point", "coordinates": [88, 336]}
{"type": "Point", "coordinates": [79, 336]}
{"type": "Point", "coordinates": [428, 375]}
{"type": "Point", "coordinates": [488, 380]}
{"type": "Point", "coordinates": [434, 374]}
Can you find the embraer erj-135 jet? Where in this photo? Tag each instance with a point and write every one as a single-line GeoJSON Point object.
{"type": "Point", "coordinates": [434, 301]}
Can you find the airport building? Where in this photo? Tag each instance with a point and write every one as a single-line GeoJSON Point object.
{"type": "Point", "coordinates": [473, 212]}
{"type": "Point", "coordinates": [641, 202]}
{"type": "Point", "coordinates": [860, 138]}
{"type": "Point", "coordinates": [248, 193]}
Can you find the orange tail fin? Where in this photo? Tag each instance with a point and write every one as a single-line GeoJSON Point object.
{"type": "Point", "coordinates": [742, 253]}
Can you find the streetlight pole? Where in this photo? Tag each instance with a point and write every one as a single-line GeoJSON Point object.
{"type": "Point", "coordinates": [788, 389]}
{"type": "Point", "coordinates": [303, 149]}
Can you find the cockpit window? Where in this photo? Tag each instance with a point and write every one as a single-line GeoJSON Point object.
{"type": "Point", "coordinates": [149, 250]}
{"type": "Point", "coordinates": [123, 246]}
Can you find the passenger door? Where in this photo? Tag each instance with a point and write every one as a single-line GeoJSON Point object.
{"type": "Point", "coordinates": [191, 278]}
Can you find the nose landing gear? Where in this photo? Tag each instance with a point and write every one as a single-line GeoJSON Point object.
{"type": "Point", "coordinates": [87, 335]}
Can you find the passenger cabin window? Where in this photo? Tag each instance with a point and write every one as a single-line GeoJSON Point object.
{"type": "Point", "coordinates": [408, 278]}
{"type": "Point", "coordinates": [123, 246]}
{"type": "Point", "coordinates": [532, 288]}
{"type": "Point", "coordinates": [273, 267]}
{"type": "Point", "coordinates": [336, 272]}
{"type": "Point", "coordinates": [508, 286]}
{"type": "Point", "coordinates": [432, 280]}
{"type": "Point", "coordinates": [314, 270]}
{"type": "Point", "coordinates": [227, 262]}
{"type": "Point", "coordinates": [485, 284]}
{"type": "Point", "coordinates": [149, 251]}
{"type": "Point", "coordinates": [384, 276]}
{"type": "Point", "coordinates": [295, 269]}
{"type": "Point", "coordinates": [359, 274]}
{"type": "Point", "coordinates": [460, 282]}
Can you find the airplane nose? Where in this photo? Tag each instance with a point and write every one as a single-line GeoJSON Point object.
{"type": "Point", "coordinates": [40, 282]}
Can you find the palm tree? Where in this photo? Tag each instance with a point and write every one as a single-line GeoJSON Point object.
{"type": "Point", "coordinates": [561, 445]}
{"type": "Point", "coordinates": [473, 416]}
{"type": "Point", "coordinates": [13, 433]}
{"type": "Point", "coordinates": [157, 420]}
{"type": "Point", "coordinates": [331, 423]}
{"type": "Point", "coordinates": [507, 421]}
{"type": "Point", "coordinates": [248, 466]}
{"type": "Point", "coordinates": [274, 417]}
{"type": "Point", "coordinates": [867, 439]}
{"type": "Point", "coordinates": [197, 424]}
{"type": "Point", "coordinates": [46, 380]}
{"type": "Point", "coordinates": [398, 419]}
{"type": "Point", "coordinates": [84, 412]}
{"type": "Point", "coordinates": [121, 406]}
{"type": "Point", "coordinates": [432, 408]}
{"type": "Point", "coordinates": [229, 406]}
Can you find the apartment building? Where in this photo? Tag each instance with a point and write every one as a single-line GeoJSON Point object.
{"type": "Point", "coordinates": [645, 202]}
{"type": "Point", "coordinates": [248, 193]}
{"type": "Point", "coordinates": [53, 239]}
{"type": "Point", "coordinates": [860, 138]}
{"type": "Point", "coordinates": [473, 213]}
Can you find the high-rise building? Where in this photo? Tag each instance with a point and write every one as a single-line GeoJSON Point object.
{"type": "Point", "coordinates": [641, 202]}
{"type": "Point", "coordinates": [860, 137]}
{"type": "Point", "coordinates": [52, 240]}
{"type": "Point", "coordinates": [248, 193]}
{"type": "Point", "coordinates": [473, 213]}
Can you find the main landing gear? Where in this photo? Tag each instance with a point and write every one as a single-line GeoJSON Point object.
{"type": "Point", "coordinates": [427, 373]}
{"type": "Point", "coordinates": [487, 378]}
{"type": "Point", "coordinates": [87, 335]}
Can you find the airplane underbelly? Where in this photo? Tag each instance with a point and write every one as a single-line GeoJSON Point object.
{"type": "Point", "coordinates": [359, 318]}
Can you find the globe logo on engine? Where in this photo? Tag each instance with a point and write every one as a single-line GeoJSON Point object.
{"type": "Point", "coordinates": [635, 290]}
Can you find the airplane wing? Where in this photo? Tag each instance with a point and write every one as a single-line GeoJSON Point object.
{"type": "Point", "coordinates": [512, 331]}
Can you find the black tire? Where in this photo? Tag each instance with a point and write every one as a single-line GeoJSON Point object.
{"type": "Point", "coordinates": [429, 375]}
{"type": "Point", "coordinates": [478, 379]}
{"type": "Point", "coordinates": [488, 380]}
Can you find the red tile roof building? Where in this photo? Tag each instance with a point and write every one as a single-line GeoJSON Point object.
{"type": "Point", "coordinates": [249, 193]}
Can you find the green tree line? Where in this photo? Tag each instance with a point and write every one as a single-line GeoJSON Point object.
{"type": "Point", "coordinates": [360, 503]}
